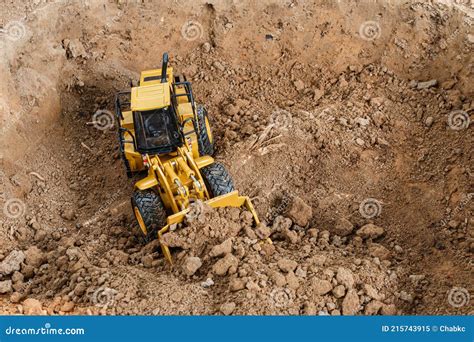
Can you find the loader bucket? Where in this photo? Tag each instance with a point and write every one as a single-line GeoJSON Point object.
{"type": "Point", "coordinates": [232, 199]}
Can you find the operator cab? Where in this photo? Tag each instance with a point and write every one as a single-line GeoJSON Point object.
{"type": "Point", "coordinates": [156, 131]}
{"type": "Point", "coordinates": [154, 119]}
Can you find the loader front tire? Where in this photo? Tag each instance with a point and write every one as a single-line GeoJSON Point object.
{"type": "Point", "coordinates": [149, 212]}
{"type": "Point", "coordinates": [205, 138]}
{"type": "Point", "coordinates": [217, 179]}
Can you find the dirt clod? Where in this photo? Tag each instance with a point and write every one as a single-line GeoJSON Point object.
{"type": "Point", "coordinates": [343, 227]}
{"type": "Point", "coordinates": [227, 308]}
{"type": "Point", "coordinates": [227, 264]}
{"type": "Point", "coordinates": [426, 84]}
{"type": "Point", "coordinates": [300, 212]}
{"type": "Point", "coordinates": [222, 249]}
{"type": "Point", "coordinates": [350, 304]}
{"type": "Point", "coordinates": [191, 265]}
{"type": "Point", "coordinates": [12, 262]}
{"type": "Point", "coordinates": [370, 231]}
{"type": "Point", "coordinates": [287, 265]}
{"type": "Point", "coordinates": [321, 286]}
{"type": "Point", "coordinates": [32, 306]}
{"type": "Point", "coordinates": [5, 286]}
{"type": "Point", "coordinates": [34, 257]}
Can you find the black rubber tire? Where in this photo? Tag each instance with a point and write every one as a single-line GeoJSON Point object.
{"type": "Point", "coordinates": [206, 146]}
{"type": "Point", "coordinates": [217, 179]}
{"type": "Point", "coordinates": [152, 211]}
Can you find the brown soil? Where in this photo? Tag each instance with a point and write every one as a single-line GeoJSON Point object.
{"type": "Point", "coordinates": [361, 171]}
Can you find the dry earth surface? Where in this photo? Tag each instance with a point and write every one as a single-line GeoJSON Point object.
{"type": "Point", "coordinates": [348, 123]}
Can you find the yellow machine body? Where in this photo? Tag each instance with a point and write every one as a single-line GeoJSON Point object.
{"type": "Point", "coordinates": [176, 175]}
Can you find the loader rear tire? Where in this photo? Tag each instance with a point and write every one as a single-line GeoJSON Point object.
{"type": "Point", "coordinates": [149, 212]}
{"type": "Point", "coordinates": [205, 138]}
{"type": "Point", "coordinates": [217, 179]}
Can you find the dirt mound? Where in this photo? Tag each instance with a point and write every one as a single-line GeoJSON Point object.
{"type": "Point", "coordinates": [297, 272]}
{"type": "Point", "coordinates": [225, 266]}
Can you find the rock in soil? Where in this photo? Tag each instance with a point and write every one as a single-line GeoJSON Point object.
{"type": "Point", "coordinates": [287, 265]}
{"type": "Point", "coordinates": [426, 84]}
{"type": "Point", "coordinates": [320, 286]}
{"type": "Point", "coordinates": [222, 249]}
{"type": "Point", "coordinates": [345, 277]}
{"type": "Point", "coordinates": [34, 256]}
{"type": "Point", "coordinates": [227, 264]}
{"type": "Point", "coordinates": [350, 304]}
{"type": "Point", "coordinates": [343, 227]}
{"type": "Point", "coordinates": [32, 306]}
{"type": "Point", "coordinates": [370, 231]}
{"type": "Point", "coordinates": [5, 286]}
{"type": "Point", "coordinates": [191, 265]}
{"type": "Point", "coordinates": [227, 308]}
{"type": "Point", "coordinates": [12, 262]}
{"type": "Point", "coordinates": [300, 212]}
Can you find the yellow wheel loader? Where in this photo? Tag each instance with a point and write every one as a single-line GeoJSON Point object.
{"type": "Point", "coordinates": [162, 131]}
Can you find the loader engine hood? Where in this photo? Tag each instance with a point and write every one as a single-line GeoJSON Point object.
{"type": "Point", "coordinates": [149, 97]}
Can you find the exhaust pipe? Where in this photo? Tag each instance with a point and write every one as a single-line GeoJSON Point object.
{"type": "Point", "coordinates": [164, 67]}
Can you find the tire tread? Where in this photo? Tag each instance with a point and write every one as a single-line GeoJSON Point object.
{"type": "Point", "coordinates": [152, 210]}
{"type": "Point", "coordinates": [217, 179]}
{"type": "Point", "coordinates": [206, 147]}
